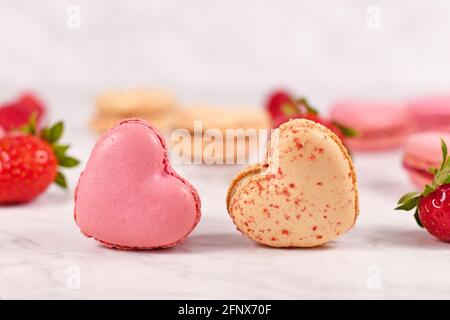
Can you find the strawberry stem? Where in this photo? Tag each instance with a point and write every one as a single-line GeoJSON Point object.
{"type": "Point", "coordinates": [346, 131]}
{"type": "Point", "coordinates": [302, 101]}
{"type": "Point", "coordinates": [30, 127]}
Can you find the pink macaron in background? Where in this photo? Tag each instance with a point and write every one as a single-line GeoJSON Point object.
{"type": "Point", "coordinates": [423, 151]}
{"type": "Point", "coordinates": [129, 196]}
{"type": "Point", "coordinates": [430, 113]}
{"type": "Point", "coordinates": [380, 125]}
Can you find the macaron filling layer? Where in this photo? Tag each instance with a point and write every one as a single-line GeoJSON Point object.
{"type": "Point", "coordinates": [381, 133]}
{"type": "Point", "coordinates": [433, 122]}
{"type": "Point", "coordinates": [420, 171]}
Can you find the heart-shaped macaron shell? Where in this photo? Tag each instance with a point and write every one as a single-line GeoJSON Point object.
{"type": "Point", "coordinates": [129, 197]}
{"type": "Point", "coordinates": [305, 193]}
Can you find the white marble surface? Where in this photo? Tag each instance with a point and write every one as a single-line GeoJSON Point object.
{"type": "Point", "coordinates": [385, 256]}
{"type": "Point", "coordinates": [233, 52]}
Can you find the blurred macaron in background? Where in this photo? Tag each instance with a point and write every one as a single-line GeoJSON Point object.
{"type": "Point", "coordinates": [423, 152]}
{"type": "Point", "coordinates": [153, 105]}
{"type": "Point", "coordinates": [430, 112]}
{"type": "Point", "coordinates": [380, 125]}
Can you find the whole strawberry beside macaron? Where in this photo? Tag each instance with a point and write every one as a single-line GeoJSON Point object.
{"type": "Point", "coordinates": [280, 103]}
{"type": "Point", "coordinates": [432, 205]}
{"type": "Point", "coordinates": [30, 160]}
{"type": "Point", "coordinates": [15, 114]}
{"type": "Point", "coordinates": [282, 108]}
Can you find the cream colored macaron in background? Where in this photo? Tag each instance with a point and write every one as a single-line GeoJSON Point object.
{"type": "Point", "coordinates": [153, 105]}
{"type": "Point", "coordinates": [140, 101]}
{"type": "Point", "coordinates": [223, 117]}
{"type": "Point", "coordinates": [303, 195]}
{"type": "Point", "coordinates": [103, 122]}
{"type": "Point", "coordinates": [198, 120]}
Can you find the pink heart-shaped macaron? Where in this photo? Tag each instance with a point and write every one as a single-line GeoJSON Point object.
{"type": "Point", "coordinates": [129, 197]}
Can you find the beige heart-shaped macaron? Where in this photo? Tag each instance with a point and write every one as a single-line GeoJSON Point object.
{"type": "Point", "coordinates": [303, 195]}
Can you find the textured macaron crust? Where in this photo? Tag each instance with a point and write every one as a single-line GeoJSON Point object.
{"type": "Point", "coordinates": [423, 151]}
{"type": "Point", "coordinates": [129, 197]}
{"type": "Point", "coordinates": [380, 126]}
{"type": "Point", "coordinates": [303, 195]}
{"type": "Point", "coordinates": [431, 113]}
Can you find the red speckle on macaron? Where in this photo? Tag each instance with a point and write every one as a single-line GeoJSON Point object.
{"type": "Point", "coordinates": [298, 144]}
{"type": "Point", "coordinates": [260, 187]}
{"type": "Point", "coordinates": [280, 172]}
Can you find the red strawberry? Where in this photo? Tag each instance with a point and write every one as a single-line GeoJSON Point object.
{"type": "Point", "coordinates": [433, 204]}
{"type": "Point", "coordinates": [28, 166]}
{"type": "Point", "coordinates": [16, 114]}
{"type": "Point", "coordinates": [303, 111]}
{"type": "Point", "coordinates": [29, 162]}
{"type": "Point", "coordinates": [284, 108]}
{"type": "Point", "coordinates": [280, 103]}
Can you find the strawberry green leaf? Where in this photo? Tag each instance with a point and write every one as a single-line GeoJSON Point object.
{"type": "Point", "coordinates": [60, 180]}
{"type": "Point", "coordinates": [68, 162]}
{"type": "Point", "coordinates": [60, 150]}
{"type": "Point", "coordinates": [433, 171]}
{"type": "Point", "coordinates": [409, 196]}
{"type": "Point", "coordinates": [45, 134]}
{"type": "Point", "coordinates": [428, 189]}
{"type": "Point", "coordinates": [30, 127]}
{"type": "Point", "coordinates": [417, 217]}
{"type": "Point", "coordinates": [409, 203]}
{"type": "Point", "coordinates": [447, 181]}
{"type": "Point", "coordinates": [56, 132]}
{"type": "Point", "coordinates": [346, 131]}
{"type": "Point", "coordinates": [441, 176]}
{"type": "Point", "coordinates": [444, 153]}
{"type": "Point", "coordinates": [289, 109]}
{"type": "Point", "coordinates": [26, 129]}
{"type": "Point", "coordinates": [447, 164]}
{"type": "Point", "coordinates": [309, 109]}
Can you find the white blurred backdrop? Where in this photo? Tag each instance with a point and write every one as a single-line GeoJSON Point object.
{"type": "Point", "coordinates": [224, 51]}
